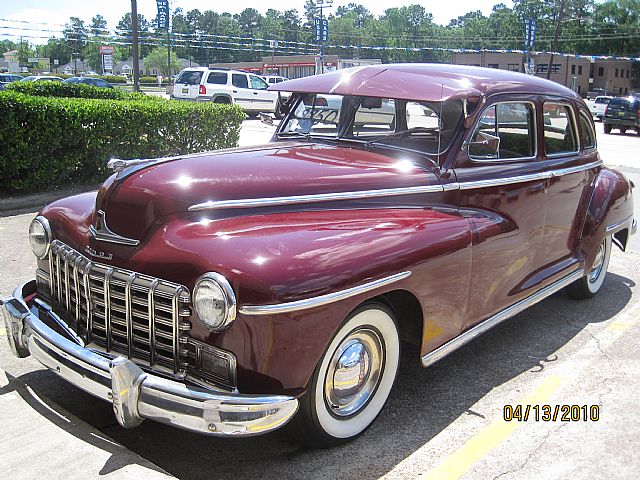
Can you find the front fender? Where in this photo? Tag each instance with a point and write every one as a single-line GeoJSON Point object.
{"type": "Point", "coordinates": [609, 212]}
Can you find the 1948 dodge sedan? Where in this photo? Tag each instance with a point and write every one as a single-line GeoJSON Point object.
{"type": "Point", "coordinates": [233, 291]}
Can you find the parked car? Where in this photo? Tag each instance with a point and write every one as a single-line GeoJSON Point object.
{"type": "Point", "coordinates": [598, 106]}
{"type": "Point", "coordinates": [94, 82]}
{"type": "Point", "coordinates": [596, 92]}
{"type": "Point", "coordinates": [247, 90]}
{"type": "Point", "coordinates": [41, 78]}
{"type": "Point", "coordinates": [229, 293]}
{"type": "Point", "coordinates": [622, 113]}
{"type": "Point", "coordinates": [8, 78]}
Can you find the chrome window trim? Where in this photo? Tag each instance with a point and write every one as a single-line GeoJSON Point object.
{"type": "Point", "coordinates": [464, 338]}
{"type": "Point", "coordinates": [322, 197]}
{"type": "Point", "coordinates": [321, 300]}
{"type": "Point", "coordinates": [575, 131]}
{"type": "Point", "coordinates": [589, 119]}
{"type": "Point", "coordinates": [508, 160]}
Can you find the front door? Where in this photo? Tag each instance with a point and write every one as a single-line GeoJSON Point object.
{"type": "Point", "coordinates": [262, 100]}
{"type": "Point", "coordinates": [242, 94]}
{"type": "Point", "coordinates": [503, 193]}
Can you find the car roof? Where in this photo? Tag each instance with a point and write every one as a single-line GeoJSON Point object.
{"type": "Point", "coordinates": [423, 81]}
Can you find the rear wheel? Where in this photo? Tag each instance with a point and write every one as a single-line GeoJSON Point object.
{"type": "Point", "coordinates": [607, 128]}
{"type": "Point", "coordinates": [638, 130]}
{"type": "Point", "coordinates": [223, 100]}
{"type": "Point", "coordinates": [353, 380]}
{"type": "Point", "coordinates": [589, 285]}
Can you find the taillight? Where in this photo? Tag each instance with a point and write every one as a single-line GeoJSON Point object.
{"type": "Point", "coordinates": [203, 90]}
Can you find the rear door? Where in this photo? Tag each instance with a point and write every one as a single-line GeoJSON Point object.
{"type": "Point", "coordinates": [187, 84]}
{"type": "Point", "coordinates": [216, 84]}
{"type": "Point", "coordinates": [242, 94]}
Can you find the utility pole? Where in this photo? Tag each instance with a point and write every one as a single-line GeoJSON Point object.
{"type": "Point", "coordinates": [554, 43]}
{"type": "Point", "coordinates": [325, 4]}
{"type": "Point", "coordinates": [134, 45]}
{"type": "Point", "coordinates": [168, 47]}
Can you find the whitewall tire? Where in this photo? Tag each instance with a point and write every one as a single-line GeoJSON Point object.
{"type": "Point", "coordinates": [589, 285]}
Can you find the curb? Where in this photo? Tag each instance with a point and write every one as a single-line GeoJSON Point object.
{"type": "Point", "coordinates": [16, 205]}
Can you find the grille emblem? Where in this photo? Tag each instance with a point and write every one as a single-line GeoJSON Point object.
{"type": "Point", "coordinates": [97, 254]}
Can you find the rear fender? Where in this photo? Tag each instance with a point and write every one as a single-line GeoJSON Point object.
{"type": "Point", "coordinates": [610, 212]}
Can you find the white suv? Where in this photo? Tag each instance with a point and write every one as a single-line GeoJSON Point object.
{"type": "Point", "coordinates": [202, 84]}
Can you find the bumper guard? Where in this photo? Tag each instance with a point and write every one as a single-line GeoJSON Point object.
{"type": "Point", "coordinates": [135, 394]}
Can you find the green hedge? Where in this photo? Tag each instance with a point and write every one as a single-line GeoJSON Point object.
{"type": "Point", "coordinates": [51, 142]}
{"type": "Point", "coordinates": [74, 90]}
{"type": "Point", "coordinates": [153, 80]}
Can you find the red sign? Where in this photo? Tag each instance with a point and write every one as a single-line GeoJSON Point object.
{"type": "Point", "coordinates": [106, 50]}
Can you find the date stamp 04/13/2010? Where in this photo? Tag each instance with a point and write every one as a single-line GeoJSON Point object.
{"type": "Point", "coordinates": [551, 413]}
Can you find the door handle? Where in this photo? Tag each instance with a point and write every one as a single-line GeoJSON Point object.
{"type": "Point", "coordinates": [235, 91]}
{"type": "Point", "coordinates": [255, 93]}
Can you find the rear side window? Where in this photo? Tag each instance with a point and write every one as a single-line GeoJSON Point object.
{"type": "Point", "coordinates": [239, 80]}
{"type": "Point", "coordinates": [513, 124]}
{"type": "Point", "coordinates": [189, 77]}
{"type": "Point", "coordinates": [587, 135]}
{"type": "Point", "coordinates": [559, 129]}
{"type": "Point", "coordinates": [217, 78]}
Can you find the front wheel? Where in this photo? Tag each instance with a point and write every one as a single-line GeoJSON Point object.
{"type": "Point", "coordinates": [353, 380]}
{"type": "Point", "coordinates": [590, 284]}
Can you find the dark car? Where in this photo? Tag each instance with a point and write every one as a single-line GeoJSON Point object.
{"type": "Point", "coordinates": [229, 293]}
{"type": "Point", "coordinates": [8, 78]}
{"type": "Point", "coordinates": [622, 113]}
{"type": "Point", "coordinates": [95, 82]}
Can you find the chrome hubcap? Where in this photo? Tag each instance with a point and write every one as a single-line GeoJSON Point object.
{"type": "Point", "coordinates": [354, 372]}
{"type": "Point", "coordinates": [598, 263]}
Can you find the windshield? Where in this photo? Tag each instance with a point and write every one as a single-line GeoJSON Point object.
{"type": "Point", "coordinates": [412, 125]}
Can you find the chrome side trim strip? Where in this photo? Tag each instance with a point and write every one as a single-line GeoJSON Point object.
{"type": "Point", "coordinates": [321, 300]}
{"type": "Point", "coordinates": [496, 182]}
{"type": "Point", "coordinates": [322, 197]}
{"type": "Point", "coordinates": [455, 343]}
{"type": "Point", "coordinates": [615, 226]}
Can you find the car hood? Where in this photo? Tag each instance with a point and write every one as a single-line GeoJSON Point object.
{"type": "Point", "coordinates": [146, 194]}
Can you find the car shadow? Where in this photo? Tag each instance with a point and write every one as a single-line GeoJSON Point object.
{"type": "Point", "coordinates": [424, 402]}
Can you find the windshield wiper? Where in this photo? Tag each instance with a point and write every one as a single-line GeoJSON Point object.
{"type": "Point", "coordinates": [306, 136]}
{"type": "Point", "coordinates": [402, 133]}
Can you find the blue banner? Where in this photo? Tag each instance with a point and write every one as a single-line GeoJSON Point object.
{"type": "Point", "coordinates": [322, 29]}
{"type": "Point", "coordinates": [530, 29]}
{"type": "Point", "coordinates": [163, 14]}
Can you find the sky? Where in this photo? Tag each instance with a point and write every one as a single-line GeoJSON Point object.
{"type": "Point", "coordinates": [52, 14]}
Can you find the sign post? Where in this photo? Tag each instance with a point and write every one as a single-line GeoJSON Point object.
{"type": "Point", "coordinates": [530, 29]}
{"type": "Point", "coordinates": [106, 52]}
{"type": "Point", "coordinates": [163, 23]}
{"type": "Point", "coordinates": [322, 29]}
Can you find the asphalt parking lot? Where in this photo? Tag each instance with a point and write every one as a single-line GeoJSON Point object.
{"type": "Point", "coordinates": [441, 422]}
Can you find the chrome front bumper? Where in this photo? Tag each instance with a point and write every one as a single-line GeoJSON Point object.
{"type": "Point", "coordinates": [135, 394]}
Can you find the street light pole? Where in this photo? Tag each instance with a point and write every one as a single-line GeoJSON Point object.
{"type": "Point", "coordinates": [134, 45]}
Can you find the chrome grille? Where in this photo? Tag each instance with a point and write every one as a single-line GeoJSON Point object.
{"type": "Point", "coordinates": [119, 311]}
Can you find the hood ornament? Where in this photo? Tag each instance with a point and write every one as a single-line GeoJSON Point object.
{"type": "Point", "coordinates": [100, 231]}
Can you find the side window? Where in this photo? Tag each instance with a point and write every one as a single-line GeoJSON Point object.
{"type": "Point", "coordinates": [587, 135]}
{"type": "Point", "coordinates": [257, 83]}
{"type": "Point", "coordinates": [217, 78]}
{"type": "Point", "coordinates": [374, 116]}
{"type": "Point", "coordinates": [239, 80]}
{"type": "Point", "coordinates": [505, 131]}
{"type": "Point", "coordinates": [559, 129]}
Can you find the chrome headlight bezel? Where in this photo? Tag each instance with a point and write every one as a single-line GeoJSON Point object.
{"type": "Point", "coordinates": [43, 223]}
{"type": "Point", "coordinates": [216, 283]}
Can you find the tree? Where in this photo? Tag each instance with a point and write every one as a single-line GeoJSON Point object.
{"type": "Point", "coordinates": [157, 59]}
{"type": "Point", "coordinates": [75, 36]}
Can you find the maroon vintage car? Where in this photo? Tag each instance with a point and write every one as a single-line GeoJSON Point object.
{"type": "Point", "coordinates": [230, 292]}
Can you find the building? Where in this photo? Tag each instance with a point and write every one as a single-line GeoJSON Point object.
{"type": "Point", "coordinates": [126, 67]}
{"type": "Point", "coordinates": [612, 76]}
{"type": "Point", "coordinates": [579, 74]}
{"type": "Point", "coordinates": [295, 66]}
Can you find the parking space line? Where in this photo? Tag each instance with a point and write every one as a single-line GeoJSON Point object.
{"type": "Point", "coordinates": [474, 449]}
{"type": "Point", "coordinates": [3, 332]}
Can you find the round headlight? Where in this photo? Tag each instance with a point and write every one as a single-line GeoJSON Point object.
{"type": "Point", "coordinates": [214, 301]}
{"type": "Point", "coordinates": [40, 236]}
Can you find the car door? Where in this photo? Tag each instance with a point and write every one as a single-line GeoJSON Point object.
{"type": "Point", "coordinates": [262, 100]}
{"type": "Point", "coordinates": [502, 193]}
{"type": "Point", "coordinates": [242, 94]}
{"type": "Point", "coordinates": [573, 168]}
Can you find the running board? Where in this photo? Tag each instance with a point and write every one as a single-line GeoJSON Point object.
{"type": "Point", "coordinates": [464, 338]}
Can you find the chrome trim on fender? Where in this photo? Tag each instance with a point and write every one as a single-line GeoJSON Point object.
{"type": "Point", "coordinates": [321, 197]}
{"type": "Point", "coordinates": [615, 226]}
{"type": "Point", "coordinates": [322, 299]}
{"type": "Point", "coordinates": [135, 394]}
{"type": "Point", "coordinates": [464, 338]}
{"type": "Point", "coordinates": [103, 233]}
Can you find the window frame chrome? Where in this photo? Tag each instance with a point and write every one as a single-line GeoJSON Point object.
{"type": "Point", "coordinates": [589, 118]}
{"type": "Point", "coordinates": [536, 152]}
{"type": "Point", "coordinates": [575, 130]}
